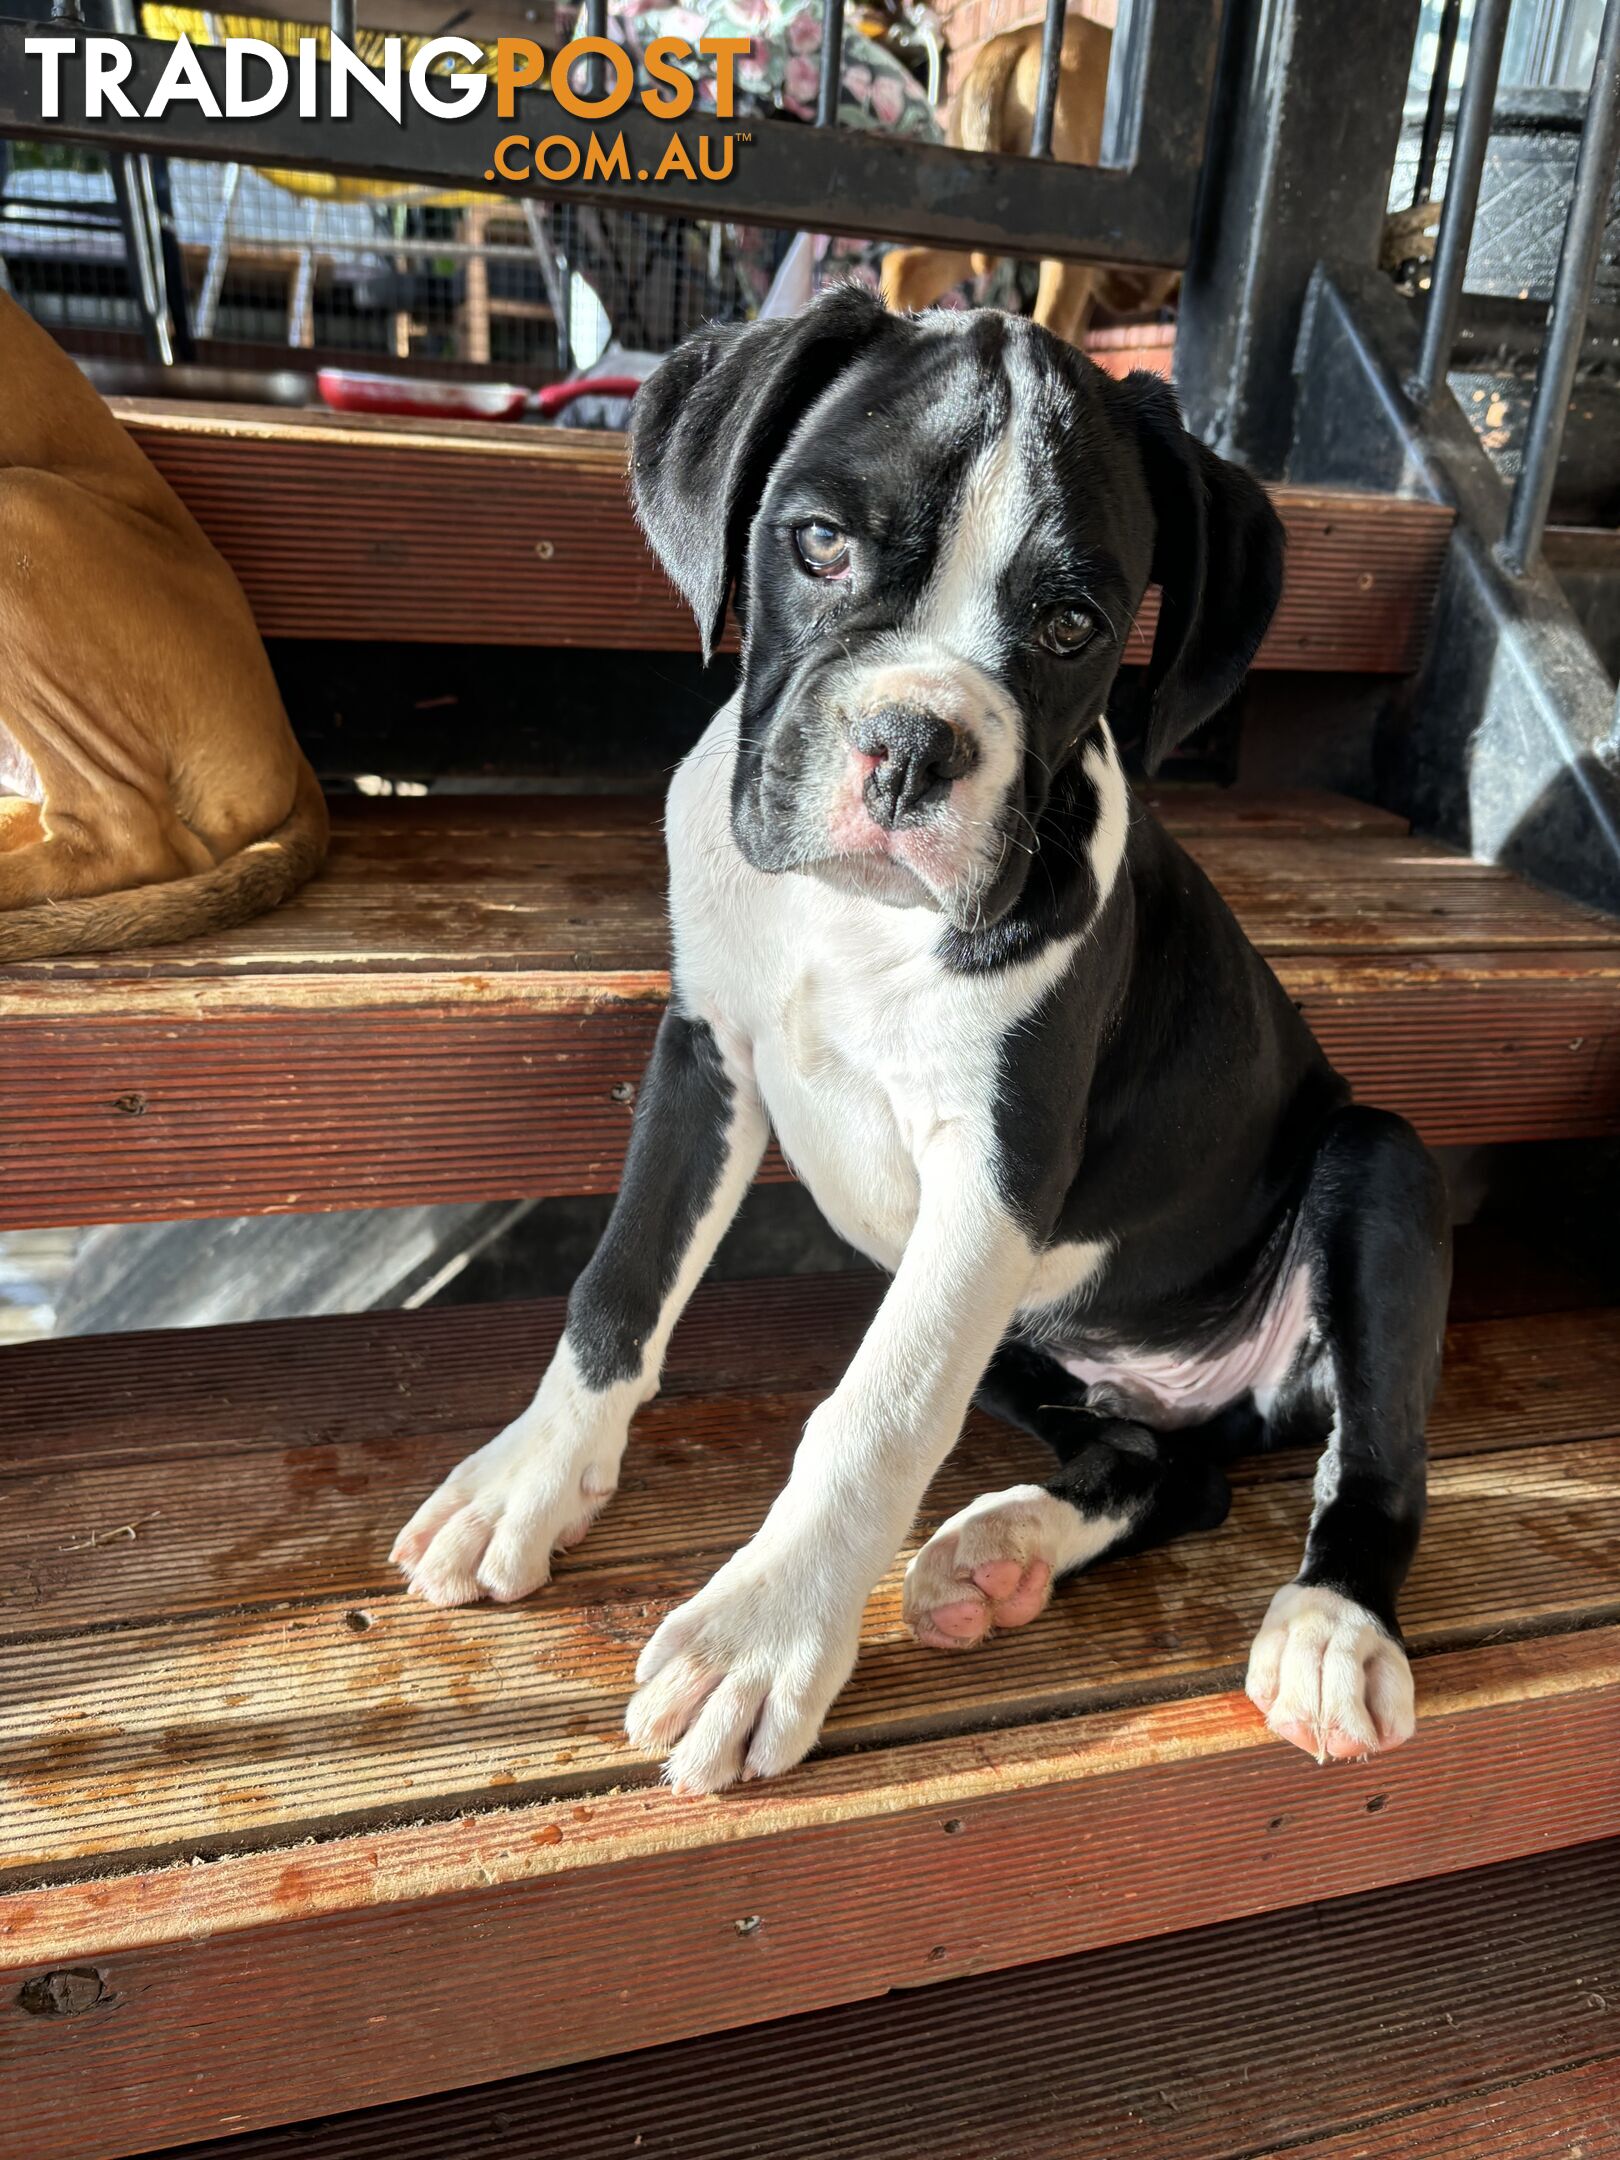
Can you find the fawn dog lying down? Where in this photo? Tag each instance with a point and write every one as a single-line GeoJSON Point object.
{"type": "Point", "coordinates": [150, 786]}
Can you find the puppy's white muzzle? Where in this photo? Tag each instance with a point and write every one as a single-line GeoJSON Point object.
{"type": "Point", "coordinates": [933, 747]}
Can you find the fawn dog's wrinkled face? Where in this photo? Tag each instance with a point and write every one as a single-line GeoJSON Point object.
{"type": "Point", "coordinates": [939, 530]}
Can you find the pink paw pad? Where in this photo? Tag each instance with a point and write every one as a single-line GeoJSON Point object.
{"type": "Point", "coordinates": [1008, 1596]}
{"type": "Point", "coordinates": [1015, 1594]}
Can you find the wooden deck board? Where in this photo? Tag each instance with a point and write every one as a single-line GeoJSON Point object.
{"type": "Point", "coordinates": [250, 1727]}
{"type": "Point", "coordinates": [475, 533]}
{"type": "Point", "coordinates": [375, 1380]}
{"type": "Point", "coordinates": [203, 1648]}
{"type": "Point", "coordinates": [1478, 2016]}
{"type": "Point", "coordinates": [553, 900]}
{"type": "Point", "coordinates": [346, 1973]}
{"type": "Point", "coordinates": [348, 1422]}
{"type": "Point", "coordinates": [403, 1032]}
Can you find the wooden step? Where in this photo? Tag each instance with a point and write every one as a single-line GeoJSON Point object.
{"type": "Point", "coordinates": [317, 1847]}
{"type": "Point", "coordinates": [1474, 2018]}
{"type": "Point", "coordinates": [461, 1006]}
{"type": "Point", "coordinates": [470, 533]}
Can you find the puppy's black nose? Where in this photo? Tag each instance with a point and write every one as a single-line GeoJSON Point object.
{"type": "Point", "coordinates": [918, 756]}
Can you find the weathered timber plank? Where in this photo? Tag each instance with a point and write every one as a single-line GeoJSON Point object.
{"type": "Point", "coordinates": [201, 1734]}
{"type": "Point", "coordinates": [391, 1040]}
{"type": "Point", "coordinates": [361, 1104]}
{"type": "Point", "coordinates": [432, 533]}
{"type": "Point", "coordinates": [440, 902]}
{"type": "Point", "coordinates": [140, 1542]}
{"type": "Point", "coordinates": [1568, 2115]}
{"type": "Point", "coordinates": [371, 1381]}
{"type": "Point", "coordinates": [1066, 1838]}
{"type": "Point", "coordinates": [1416, 2010]}
{"type": "Point", "coordinates": [1574, 1677]}
{"type": "Point", "coordinates": [173, 1521]}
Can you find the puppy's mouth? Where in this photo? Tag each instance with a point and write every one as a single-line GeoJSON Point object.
{"type": "Point", "coordinates": [938, 854]}
{"type": "Point", "coordinates": [900, 777]}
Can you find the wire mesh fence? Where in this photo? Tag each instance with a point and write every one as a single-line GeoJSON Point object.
{"type": "Point", "coordinates": [268, 264]}
{"type": "Point", "coordinates": [132, 258]}
{"type": "Point", "coordinates": [524, 290]}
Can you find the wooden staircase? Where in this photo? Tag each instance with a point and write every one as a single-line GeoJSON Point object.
{"type": "Point", "coordinates": [278, 1843]}
{"type": "Point", "coordinates": [1469, 2018]}
{"type": "Point", "coordinates": [460, 1008]}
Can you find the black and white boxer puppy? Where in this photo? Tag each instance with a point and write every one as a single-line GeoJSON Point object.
{"type": "Point", "coordinates": [1005, 1031]}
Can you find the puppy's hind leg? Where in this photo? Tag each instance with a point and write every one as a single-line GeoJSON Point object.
{"type": "Point", "coordinates": [1121, 1489]}
{"type": "Point", "coordinates": [1327, 1668]}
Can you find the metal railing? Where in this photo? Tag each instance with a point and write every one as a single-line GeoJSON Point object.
{"type": "Point", "coordinates": [1577, 262]}
{"type": "Point", "coordinates": [1135, 208]}
{"type": "Point", "coordinates": [1468, 147]}
{"type": "Point", "coordinates": [1572, 296]}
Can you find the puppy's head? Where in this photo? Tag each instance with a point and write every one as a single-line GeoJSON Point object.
{"type": "Point", "coordinates": [937, 531]}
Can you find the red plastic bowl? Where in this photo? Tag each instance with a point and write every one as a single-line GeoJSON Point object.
{"type": "Point", "coordinates": [347, 390]}
{"type": "Point", "coordinates": [555, 396]}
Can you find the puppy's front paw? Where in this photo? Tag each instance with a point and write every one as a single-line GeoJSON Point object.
{"type": "Point", "coordinates": [737, 1681]}
{"type": "Point", "coordinates": [994, 1563]}
{"type": "Point", "coordinates": [990, 1566]}
{"type": "Point", "coordinates": [1326, 1675]}
{"type": "Point", "coordinates": [491, 1528]}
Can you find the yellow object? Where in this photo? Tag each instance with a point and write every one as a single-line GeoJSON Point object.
{"type": "Point", "coordinates": [173, 23]}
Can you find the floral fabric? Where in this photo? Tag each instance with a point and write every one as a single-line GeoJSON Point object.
{"type": "Point", "coordinates": [782, 66]}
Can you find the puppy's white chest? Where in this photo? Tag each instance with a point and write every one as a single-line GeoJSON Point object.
{"type": "Point", "coordinates": [862, 1041]}
{"type": "Point", "coordinates": [854, 1030]}
{"type": "Point", "coordinates": [850, 1072]}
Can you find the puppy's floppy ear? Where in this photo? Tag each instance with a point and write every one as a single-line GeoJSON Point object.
{"type": "Point", "coordinates": [707, 428]}
{"type": "Point", "coordinates": [1217, 561]}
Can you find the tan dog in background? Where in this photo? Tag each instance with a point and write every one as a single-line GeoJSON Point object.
{"type": "Point", "coordinates": [995, 110]}
{"type": "Point", "coordinates": [150, 785]}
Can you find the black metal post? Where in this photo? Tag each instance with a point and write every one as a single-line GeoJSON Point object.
{"type": "Point", "coordinates": [1040, 141]}
{"type": "Point", "coordinates": [1434, 118]}
{"type": "Point", "coordinates": [832, 63]}
{"type": "Point", "coordinates": [1572, 293]}
{"type": "Point", "coordinates": [170, 262]}
{"type": "Point", "coordinates": [596, 25]}
{"type": "Point", "coordinates": [343, 22]}
{"type": "Point", "coordinates": [1468, 146]}
{"type": "Point", "coordinates": [1127, 75]}
{"type": "Point", "coordinates": [140, 263]}
{"type": "Point", "coordinates": [1302, 143]}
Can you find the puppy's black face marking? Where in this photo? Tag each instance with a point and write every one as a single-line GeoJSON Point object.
{"type": "Point", "coordinates": [940, 529]}
{"type": "Point", "coordinates": [906, 712]}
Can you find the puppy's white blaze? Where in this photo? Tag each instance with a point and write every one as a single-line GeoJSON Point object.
{"type": "Point", "coordinates": [992, 519]}
{"type": "Point", "coordinates": [1106, 847]}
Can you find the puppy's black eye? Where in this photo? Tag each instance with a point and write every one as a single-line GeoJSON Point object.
{"type": "Point", "coordinates": [1068, 631]}
{"type": "Point", "coordinates": [822, 548]}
